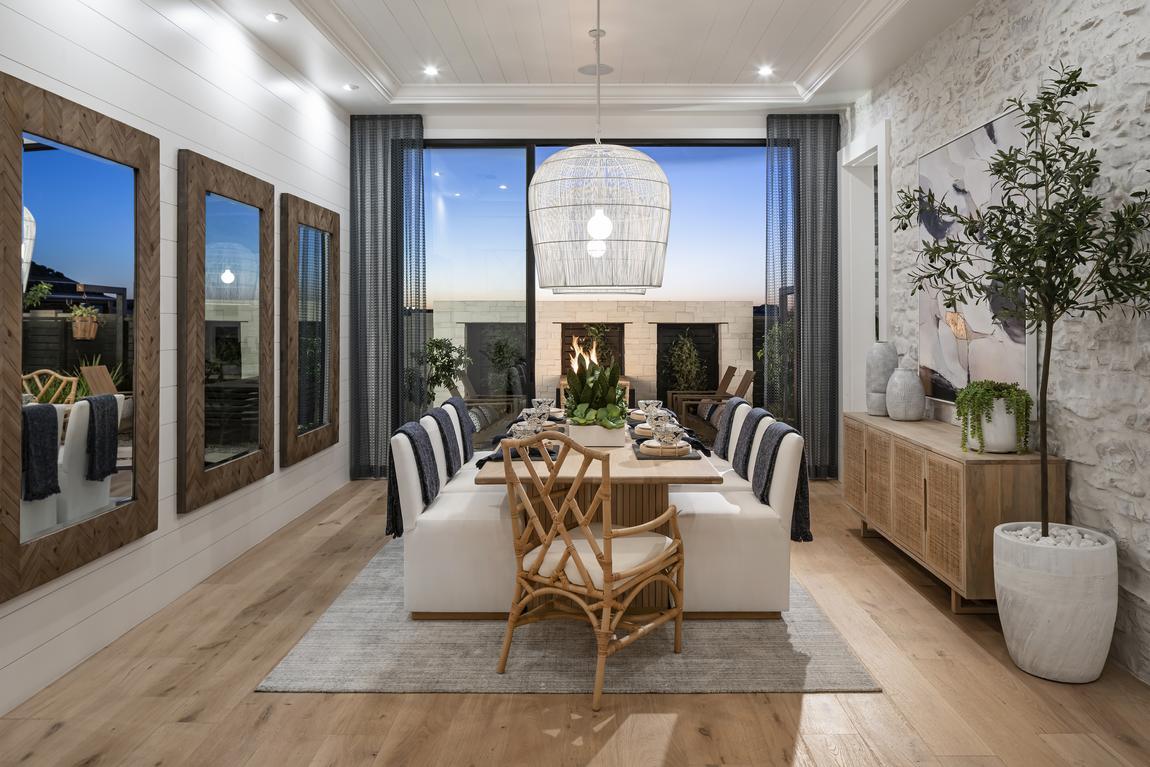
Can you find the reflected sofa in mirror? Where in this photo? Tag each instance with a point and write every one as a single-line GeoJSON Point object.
{"type": "Point", "coordinates": [224, 254]}
{"type": "Point", "coordinates": [79, 371]}
{"type": "Point", "coordinates": [309, 329]}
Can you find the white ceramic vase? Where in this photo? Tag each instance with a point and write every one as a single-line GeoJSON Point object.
{"type": "Point", "coordinates": [597, 436]}
{"type": "Point", "coordinates": [881, 361]}
{"type": "Point", "coordinates": [905, 397]}
{"type": "Point", "coordinates": [999, 433]}
{"type": "Point", "coordinates": [1056, 604]}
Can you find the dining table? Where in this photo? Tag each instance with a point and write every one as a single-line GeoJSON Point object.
{"type": "Point", "coordinates": [640, 488]}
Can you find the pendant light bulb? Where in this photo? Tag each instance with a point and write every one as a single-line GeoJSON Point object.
{"type": "Point", "coordinates": [599, 227]}
{"type": "Point", "coordinates": [227, 277]}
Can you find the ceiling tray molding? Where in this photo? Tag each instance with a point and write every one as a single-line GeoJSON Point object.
{"type": "Point", "coordinates": [613, 94]}
{"type": "Point", "coordinates": [863, 23]}
{"type": "Point", "coordinates": [341, 32]}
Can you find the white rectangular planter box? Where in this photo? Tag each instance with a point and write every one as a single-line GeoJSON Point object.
{"type": "Point", "coordinates": [597, 436]}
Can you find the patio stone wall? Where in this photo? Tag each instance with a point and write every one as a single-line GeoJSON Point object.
{"type": "Point", "coordinates": [735, 320]}
{"type": "Point", "coordinates": [735, 336]}
{"type": "Point", "coordinates": [1100, 375]}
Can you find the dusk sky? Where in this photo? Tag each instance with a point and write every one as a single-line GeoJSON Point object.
{"type": "Point", "coordinates": [475, 230]}
{"type": "Point", "coordinates": [85, 215]}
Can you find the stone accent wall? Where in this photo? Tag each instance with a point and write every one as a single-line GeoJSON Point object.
{"type": "Point", "coordinates": [1100, 375]}
{"type": "Point", "coordinates": [735, 334]}
{"type": "Point", "coordinates": [736, 330]}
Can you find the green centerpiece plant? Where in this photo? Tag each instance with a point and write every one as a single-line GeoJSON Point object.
{"type": "Point", "coordinates": [594, 397]}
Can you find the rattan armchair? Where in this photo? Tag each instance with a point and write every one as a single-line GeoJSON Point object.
{"type": "Point", "coordinates": [571, 562]}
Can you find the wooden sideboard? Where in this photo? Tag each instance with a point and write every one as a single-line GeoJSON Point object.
{"type": "Point", "coordinates": [911, 482]}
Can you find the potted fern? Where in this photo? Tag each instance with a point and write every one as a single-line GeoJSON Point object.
{"type": "Point", "coordinates": [1052, 241]}
{"type": "Point", "coordinates": [995, 417]}
{"type": "Point", "coordinates": [596, 412]}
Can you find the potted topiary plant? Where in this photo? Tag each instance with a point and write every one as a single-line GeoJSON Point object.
{"type": "Point", "coordinates": [1051, 241]}
{"type": "Point", "coordinates": [85, 321]}
{"type": "Point", "coordinates": [995, 417]}
{"type": "Point", "coordinates": [596, 412]}
{"type": "Point", "coordinates": [684, 366]}
{"type": "Point", "coordinates": [445, 363]}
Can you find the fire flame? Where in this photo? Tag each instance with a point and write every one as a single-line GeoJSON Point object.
{"type": "Point", "coordinates": [577, 353]}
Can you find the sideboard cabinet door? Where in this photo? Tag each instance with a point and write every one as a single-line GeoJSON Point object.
{"type": "Point", "coordinates": [878, 479]}
{"type": "Point", "coordinates": [854, 465]}
{"type": "Point", "coordinates": [908, 467]}
{"type": "Point", "coordinates": [945, 525]}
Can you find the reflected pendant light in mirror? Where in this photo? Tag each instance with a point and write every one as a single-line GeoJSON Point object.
{"type": "Point", "coordinates": [600, 214]}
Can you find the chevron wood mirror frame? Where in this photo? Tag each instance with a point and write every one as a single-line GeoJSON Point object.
{"type": "Point", "coordinates": [296, 213]}
{"type": "Point", "coordinates": [200, 176]}
{"type": "Point", "coordinates": [26, 108]}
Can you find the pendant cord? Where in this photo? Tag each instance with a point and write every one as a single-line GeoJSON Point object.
{"type": "Point", "coordinates": [598, 76]}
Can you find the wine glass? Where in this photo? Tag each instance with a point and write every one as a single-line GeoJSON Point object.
{"type": "Point", "coordinates": [668, 433]}
{"type": "Point", "coordinates": [650, 407]}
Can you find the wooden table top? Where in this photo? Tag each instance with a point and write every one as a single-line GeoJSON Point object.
{"type": "Point", "coordinates": [944, 439]}
{"type": "Point", "coordinates": [626, 469]}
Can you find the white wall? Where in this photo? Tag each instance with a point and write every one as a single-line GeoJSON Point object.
{"type": "Point", "coordinates": [184, 73]}
{"type": "Point", "coordinates": [1100, 372]}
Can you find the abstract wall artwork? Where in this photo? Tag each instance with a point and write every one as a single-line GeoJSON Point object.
{"type": "Point", "coordinates": [971, 341]}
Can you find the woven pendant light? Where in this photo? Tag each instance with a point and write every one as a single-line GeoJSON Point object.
{"type": "Point", "coordinates": [600, 214]}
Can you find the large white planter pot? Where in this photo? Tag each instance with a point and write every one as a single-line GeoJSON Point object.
{"type": "Point", "coordinates": [1000, 433]}
{"type": "Point", "coordinates": [597, 436]}
{"type": "Point", "coordinates": [1056, 604]}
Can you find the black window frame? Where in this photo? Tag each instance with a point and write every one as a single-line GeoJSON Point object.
{"type": "Point", "coordinates": [529, 146]}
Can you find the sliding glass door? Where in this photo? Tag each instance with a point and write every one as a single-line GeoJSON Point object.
{"type": "Point", "coordinates": [477, 278]}
{"type": "Point", "coordinates": [709, 313]}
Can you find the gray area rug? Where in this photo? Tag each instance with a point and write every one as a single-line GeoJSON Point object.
{"type": "Point", "coordinates": [366, 642]}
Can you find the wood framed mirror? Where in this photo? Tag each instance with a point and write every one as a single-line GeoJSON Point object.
{"type": "Point", "coordinates": [79, 291]}
{"type": "Point", "coordinates": [226, 271]}
{"type": "Point", "coordinates": [309, 329]}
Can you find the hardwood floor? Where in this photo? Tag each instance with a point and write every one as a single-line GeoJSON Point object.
{"type": "Point", "coordinates": [177, 690]}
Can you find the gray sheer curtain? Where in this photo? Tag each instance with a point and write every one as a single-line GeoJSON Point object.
{"type": "Point", "coordinates": [801, 326]}
{"type": "Point", "coordinates": [388, 284]}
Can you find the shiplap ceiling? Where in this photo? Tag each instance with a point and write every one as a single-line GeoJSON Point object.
{"type": "Point", "coordinates": [663, 52]}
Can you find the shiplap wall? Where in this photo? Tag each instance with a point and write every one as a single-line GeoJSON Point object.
{"type": "Point", "coordinates": [184, 72]}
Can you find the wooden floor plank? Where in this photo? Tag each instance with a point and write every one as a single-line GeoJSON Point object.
{"type": "Point", "coordinates": [178, 689]}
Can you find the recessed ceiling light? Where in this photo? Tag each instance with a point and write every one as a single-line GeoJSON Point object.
{"type": "Point", "coordinates": [503, 186]}
{"type": "Point", "coordinates": [276, 18]}
{"type": "Point", "coordinates": [431, 70]}
{"type": "Point", "coordinates": [350, 87]}
{"type": "Point", "coordinates": [766, 70]}
{"type": "Point", "coordinates": [456, 194]}
{"type": "Point", "coordinates": [435, 173]}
